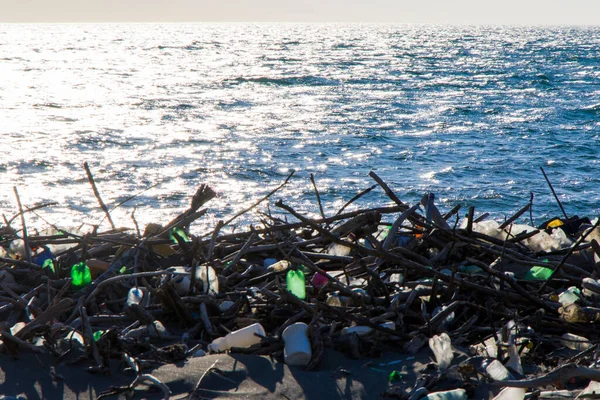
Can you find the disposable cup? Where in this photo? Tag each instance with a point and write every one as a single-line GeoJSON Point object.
{"type": "Point", "coordinates": [297, 349]}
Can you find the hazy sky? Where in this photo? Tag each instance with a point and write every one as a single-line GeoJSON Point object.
{"type": "Point", "coordinates": [529, 12]}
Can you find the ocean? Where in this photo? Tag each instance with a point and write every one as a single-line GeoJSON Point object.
{"type": "Point", "coordinates": [468, 113]}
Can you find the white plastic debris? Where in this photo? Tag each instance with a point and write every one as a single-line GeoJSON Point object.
{"type": "Point", "coordinates": [592, 389]}
{"type": "Point", "coordinates": [279, 266]}
{"type": "Point", "coordinates": [488, 227]}
{"type": "Point", "coordinates": [498, 371]}
{"type": "Point", "coordinates": [569, 296]}
{"type": "Point", "coordinates": [511, 393]}
{"type": "Point", "coordinates": [456, 394]}
{"type": "Point", "coordinates": [157, 330]}
{"type": "Point", "coordinates": [138, 295]}
{"type": "Point", "coordinates": [491, 347]}
{"type": "Point", "coordinates": [297, 350]}
{"type": "Point", "coordinates": [244, 337]}
{"type": "Point", "coordinates": [441, 345]}
{"type": "Point", "coordinates": [575, 342]}
{"type": "Point", "coordinates": [210, 281]}
{"type": "Point", "coordinates": [362, 330]}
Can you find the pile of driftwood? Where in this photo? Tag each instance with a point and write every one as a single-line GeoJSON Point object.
{"type": "Point", "coordinates": [519, 305]}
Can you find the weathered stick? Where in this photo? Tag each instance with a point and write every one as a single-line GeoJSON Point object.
{"type": "Point", "coordinates": [386, 189]}
{"type": "Point", "coordinates": [312, 179]}
{"type": "Point", "coordinates": [561, 374]}
{"type": "Point", "coordinates": [97, 194]}
{"type": "Point", "coordinates": [25, 238]}
{"type": "Point", "coordinates": [356, 197]}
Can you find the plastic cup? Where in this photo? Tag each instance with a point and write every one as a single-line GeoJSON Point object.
{"type": "Point", "coordinates": [297, 350]}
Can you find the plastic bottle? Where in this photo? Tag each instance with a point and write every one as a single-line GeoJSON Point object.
{"type": "Point", "coordinates": [297, 350]}
{"type": "Point", "coordinates": [181, 282]}
{"type": "Point", "coordinates": [17, 248]}
{"type": "Point", "coordinates": [296, 283]}
{"type": "Point", "coordinates": [178, 232]}
{"type": "Point", "coordinates": [575, 342]}
{"type": "Point", "coordinates": [80, 275]}
{"type": "Point", "coordinates": [138, 295]}
{"type": "Point", "coordinates": [244, 337]}
{"type": "Point", "coordinates": [210, 282]}
{"type": "Point", "coordinates": [362, 330]}
{"type": "Point", "coordinates": [279, 266]}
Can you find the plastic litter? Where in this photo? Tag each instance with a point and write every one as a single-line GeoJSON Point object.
{"type": "Point", "coordinates": [297, 350]}
{"type": "Point", "coordinates": [296, 283]}
{"type": "Point", "coordinates": [244, 337]}
{"type": "Point", "coordinates": [456, 394]}
{"type": "Point", "coordinates": [575, 342]}
{"type": "Point", "coordinates": [80, 275]}
{"type": "Point", "coordinates": [441, 345]}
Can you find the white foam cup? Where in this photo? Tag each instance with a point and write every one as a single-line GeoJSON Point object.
{"type": "Point", "coordinates": [297, 349]}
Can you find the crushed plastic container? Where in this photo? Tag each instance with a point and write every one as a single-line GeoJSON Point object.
{"type": "Point", "coordinates": [441, 345]}
{"type": "Point", "coordinates": [539, 273]}
{"type": "Point", "coordinates": [319, 280]}
{"type": "Point", "coordinates": [296, 283]}
{"type": "Point", "coordinates": [80, 275]}
{"type": "Point", "coordinates": [338, 249]}
{"type": "Point", "coordinates": [569, 296]}
{"type": "Point", "coordinates": [498, 371]}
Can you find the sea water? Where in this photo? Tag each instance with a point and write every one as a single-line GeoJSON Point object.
{"type": "Point", "coordinates": [468, 113]}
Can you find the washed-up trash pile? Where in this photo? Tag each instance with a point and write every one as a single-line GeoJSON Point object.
{"type": "Point", "coordinates": [506, 310]}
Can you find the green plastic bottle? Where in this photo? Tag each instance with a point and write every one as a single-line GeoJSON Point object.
{"type": "Point", "coordinates": [178, 232]}
{"type": "Point", "coordinates": [49, 263]}
{"type": "Point", "coordinates": [296, 283]}
{"type": "Point", "coordinates": [80, 275]}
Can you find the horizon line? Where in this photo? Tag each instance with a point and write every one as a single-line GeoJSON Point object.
{"type": "Point", "coordinates": [466, 24]}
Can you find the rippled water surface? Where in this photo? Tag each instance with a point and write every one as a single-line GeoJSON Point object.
{"type": "Point", "coordinates": [469, 113]}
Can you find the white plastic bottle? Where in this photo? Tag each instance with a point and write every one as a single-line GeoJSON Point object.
{"type": "Point", "coordinates": [244, 337]}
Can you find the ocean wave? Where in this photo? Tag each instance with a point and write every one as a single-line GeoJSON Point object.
{"type": "Point", "coordinates": [305, 80]}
